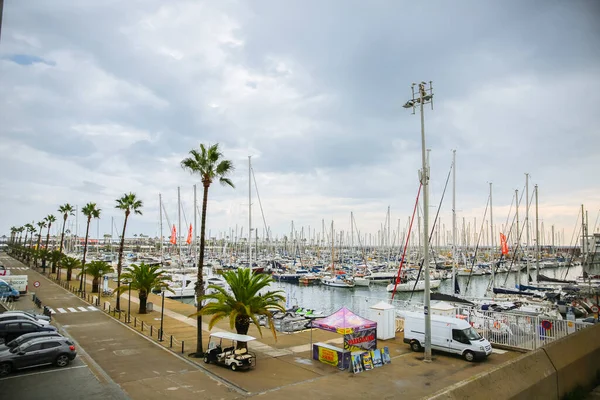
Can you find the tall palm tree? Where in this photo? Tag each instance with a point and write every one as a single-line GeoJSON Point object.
{"type": "Point", "coordinates": [41, 224]}
{"type": "Point", "coordinates": [30, 229]}
{"type": "Point", "coordinates": [90, 211]}
{"type": "Point", "coordinates": [244, 304]}
{"type": "Point", "coordinates": [144, 278]}
{"type": "Point", "coordinates": [69, 263]}
{"type": "Point", "coordinates": [13, 234]}
{"type": "Point", "coordinates": [66, 210]}
{"type": "Point", "coordinates": [210, 165]}
{"type": "Point", "coordinates": [50, 219]}
{"type": "Point", "coordinates": [96, 269]}
{"type": "Point", "coordinates": [128, 203]}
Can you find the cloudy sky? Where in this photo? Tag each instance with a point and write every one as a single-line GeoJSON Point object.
{"type": "Point", "coordinates": [102, 98]}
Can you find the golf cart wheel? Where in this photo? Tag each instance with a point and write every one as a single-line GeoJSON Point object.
{"type": "Point", "coordinates": [5, 369]}
{"type": "Point", "coordinates": [469, 356]}
{"type": "Point", "coordinates": [233, 366]}
{"type": "Point", "coordinates": [415, 346]}
{"type": "Point", "coordinates": [206, 360]}
{"type": "Point", "coordinates": [62, 361]}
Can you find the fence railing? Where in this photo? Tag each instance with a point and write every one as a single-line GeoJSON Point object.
{"type": "Point", "coordinates": [510, 329]}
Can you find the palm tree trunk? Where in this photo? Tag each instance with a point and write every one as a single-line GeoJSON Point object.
{"type": "Point", "coordinates": [38, 242]}
{"type": "Point", "coordinates": [119, 265]}
{"type": "Point", "coordinates": [48, 234]}
{"type": "Point", "coordinates": [95, 282]}
{"type": "Point", "coordinates": [87, 231]}
{"type": "Point", "coordinates": [62, 238]}
{"type": "Point", "coordinates": [200, 281]}
{"type": "Point", "coordinates": [143, 301]}
{"type": "Point", "coordinates": [69, 273]}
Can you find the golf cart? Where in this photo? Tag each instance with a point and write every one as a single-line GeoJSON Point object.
{"type": "Point", "coordinates": [229, 356]}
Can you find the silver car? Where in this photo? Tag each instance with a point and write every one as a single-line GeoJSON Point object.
{"type": "Point", "coordinates": [59, 351]}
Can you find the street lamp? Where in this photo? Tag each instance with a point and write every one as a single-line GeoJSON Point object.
{"type": "Point", "coordinates": [162, 312]}
{"type": "Point", "coordinates": [424, 95]}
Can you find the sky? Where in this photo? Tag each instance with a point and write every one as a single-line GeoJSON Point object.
{"type": "Point", "coordinates": [98, 99]}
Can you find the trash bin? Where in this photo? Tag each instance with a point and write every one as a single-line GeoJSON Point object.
{"type": "Point", "coordinates": [149, 306]}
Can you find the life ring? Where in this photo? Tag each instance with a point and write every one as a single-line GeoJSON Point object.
{"type": "Point", "coordinates": [497, 324]}
{"type": "Point", "coordinates": [459, 316]}
{"type": "Point", "coordinates": [547, 325]}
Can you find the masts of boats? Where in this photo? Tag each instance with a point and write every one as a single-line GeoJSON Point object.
{"type": "Point", "coordinates": [336, 280]}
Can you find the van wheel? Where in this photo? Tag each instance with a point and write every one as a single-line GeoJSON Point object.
{"type": "Point", "coordinates": [233, 366]}
{"type": "Point", "coordinates": [415, 346]}
{"type": "Point", "coordinates": [469, 356]}
{"type": "Point", "coordinates": [5, 369]}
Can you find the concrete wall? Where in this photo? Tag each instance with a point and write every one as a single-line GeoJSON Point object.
{"type": "Point", "coordinates": [547, 373]}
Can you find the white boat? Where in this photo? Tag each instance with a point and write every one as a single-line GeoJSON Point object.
{"type": "Point", "coordinates": [340, 281]}
{"type": "Point", "coordinates": [410, 286]}
{"type": "Point", "coordinates": [382, 276]}
{"type": "Point", "coordinates": [361, 281]}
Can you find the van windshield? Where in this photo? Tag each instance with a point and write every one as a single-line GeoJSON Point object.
{"type": "Point", "coordinates": [471, 334]}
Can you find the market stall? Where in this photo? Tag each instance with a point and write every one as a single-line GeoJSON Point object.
{"type": "Point", "coordinates": [360, 334]}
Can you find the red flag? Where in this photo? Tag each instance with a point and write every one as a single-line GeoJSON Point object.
{"type": "Point", "coordinates": [174, 235]}
{"type": "Point", "coordinates": [503, 244]}
{"type": "Point", "coordinates": [189, 238]}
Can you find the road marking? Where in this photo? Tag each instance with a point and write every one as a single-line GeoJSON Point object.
{"type": "Point", "coordinates": [83, 309]}
{"type": "Point", "coordinates": [92, 308]}
{"type": "Point", "coordinates": [51, 310]}
{"type": "Point", "coordinates": [43, 372]}
{"type": "Point", "coordinates": [61, 310]}
{"type": "Point", "coordinates": [71, 309]}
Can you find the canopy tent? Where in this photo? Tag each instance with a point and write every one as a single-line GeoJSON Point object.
{"type": "Point", "coordinates": [344, 321]}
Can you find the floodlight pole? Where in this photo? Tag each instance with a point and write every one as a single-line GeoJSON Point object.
{"type": "Point", "coordinates": [425, 95]}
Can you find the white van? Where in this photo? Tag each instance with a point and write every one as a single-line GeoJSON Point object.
{"type": "Point", "coordinates": [448, 334]}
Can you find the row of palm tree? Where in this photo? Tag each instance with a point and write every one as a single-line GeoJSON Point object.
{"type": "Point", "coordinates": [242, 307]}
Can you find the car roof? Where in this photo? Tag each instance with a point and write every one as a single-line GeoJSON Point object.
{"type": "Point", "coordinates": [232, 336]}
{"type": "Point", "coordinates": [47, 339]}
{"type": "Point", "coordinates": [34, 335]}
{"type": "Point", "coordinates": [12, 321]}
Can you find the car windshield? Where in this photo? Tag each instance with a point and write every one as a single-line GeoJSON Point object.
{"type": "Point", "coordinates": [471, 334]}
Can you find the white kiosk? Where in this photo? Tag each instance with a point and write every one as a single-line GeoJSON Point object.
{"type": "Point", "coordinates": [385, 316]}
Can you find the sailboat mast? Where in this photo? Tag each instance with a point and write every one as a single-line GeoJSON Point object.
{"type": "Point", "coordinates": [179, 223]}
{"type": "Point", "coordinates": [332, 251]}
{"type": "Point", "coordinates": [249, 212]}
{"type": "Point", "coordinates": [537, 238]}
{"type": "Point", "coordinates": [454, 221]}
{"type": "Point", "coordinates": [492, 239]}
{"type": "Point", "coordinates": [527, 223]}
{"type": "Point", "coordinates": [160, 210]}
{"type": "Point", "coordinates": [194, 244]}
{"type": "Point", "coordinates": [518, 239]}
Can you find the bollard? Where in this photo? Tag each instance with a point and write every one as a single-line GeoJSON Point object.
{"type": "Point", "coordinates": [108, 307]}
{"type": "Point", "coordinates": [171, 342]}
{"type": "Point", "coordinates": [182, 343]}
{"type": "Point", "coordinates": [134, 322]}
{"type": "Point", "coordinates": [150, 330]}
{"type": "Point", "coordinates": [142, 325]}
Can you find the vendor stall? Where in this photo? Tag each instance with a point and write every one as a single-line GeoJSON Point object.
{"type": "Point", "coordinates": [360, 334]}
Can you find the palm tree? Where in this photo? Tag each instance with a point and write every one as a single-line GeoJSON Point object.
{"type": "Point", "coordinates": [30, 229]}
{"type": "Point", "coordinates": [66, 210]}
{"type": "Point", "coordinates": [144, 278]}
{"type": "Point", "coordinates": [96, 269]}
{"type": "Point", "coordinates": [244, 304]}
{"type": "Point", "coordinates": [54, 257]}
{"type": "Point", "coordinates": [69, 263]}
{"type": "Point", "coordinates": [41, 224]}
{"type": "Point", "coordinates": [210, 165]}
{"type": "Point", "coordinates": [90, 211]}
{"type": "Point", "coordinates": [50, 219]}
{"type": "Point", "coordinates": [128, 203]}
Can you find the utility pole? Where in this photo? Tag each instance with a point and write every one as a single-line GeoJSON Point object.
{"type": "Point", "coordinates": [425, 96]}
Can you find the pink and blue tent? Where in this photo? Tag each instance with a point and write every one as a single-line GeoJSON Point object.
{"type": "Point", "coordinates": [344, 321]}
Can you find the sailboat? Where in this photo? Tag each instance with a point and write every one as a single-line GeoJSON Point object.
{"type": "Point", "coordinates": [337, 280]}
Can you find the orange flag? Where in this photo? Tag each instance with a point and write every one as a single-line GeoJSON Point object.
{"type": "Point", "coordinates": [174, 235]}
{"type": "Point", "coordinates": [503, 244]}
{"type": "Point", "coordinates": [189, 238]}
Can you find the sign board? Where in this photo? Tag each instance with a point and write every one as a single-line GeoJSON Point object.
{"type": "Point", "coordinates": [595, 309]}
{"type": "Point", "coordinates": [36, 284]}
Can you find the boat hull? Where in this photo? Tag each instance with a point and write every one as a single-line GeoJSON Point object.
{"type": "Point", "coordinates": [410, 286]}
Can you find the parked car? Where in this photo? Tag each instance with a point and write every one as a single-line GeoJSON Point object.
{"type": "Point", "coordinates": [27, 337]}
{"type": "Point", "coordinates": [19, 316]}
{"type": "Point", "coordinates": [31, 314]}
{"type": "Point", "coordinates": [59, 351]}
{"type": "Point", "coordinates": [10, 330]}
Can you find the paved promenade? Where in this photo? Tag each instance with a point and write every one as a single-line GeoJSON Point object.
{"type": "Point", "coordinates": [145, 368]}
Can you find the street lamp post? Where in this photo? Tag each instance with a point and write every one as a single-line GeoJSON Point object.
{"type": "Point", "coordinates": [162, 313]}
{"type": "Point", "coordinates": [129, 305]}
{"type": "Point", "coordinates": [424, 96]}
